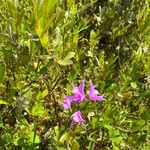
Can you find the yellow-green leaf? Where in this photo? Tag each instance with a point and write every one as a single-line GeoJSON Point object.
{"type": "Point", "coordinates": [38, 109]}
{"type": "Point", "coordinates": [43, 13]}
{"type": "Point", "coordinates": [44, 93]}
{"type": "Point", "coordinates": [69, 55]}
{"type": "Point", "coordinates": [66, 61]}
{"type": "Point", "coordinates": [3, 102]}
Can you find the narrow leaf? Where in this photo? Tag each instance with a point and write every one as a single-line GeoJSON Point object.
{"type": "Point", "coordinates": [2, 72]}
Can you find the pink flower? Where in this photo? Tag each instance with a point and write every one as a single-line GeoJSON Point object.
{"type": "Point", "coordinates": [93, 94]}
{"type": "Point", "coordinates": [76, 118]}
{"type": "Point", "coordinates": [78, 93]}
{"type": "Point", "coordinates": [66, 103]}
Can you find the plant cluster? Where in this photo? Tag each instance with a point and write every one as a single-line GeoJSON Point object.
{"type": "Point", "coordinates": [77, 97]}
{"type": "Point", "coordinates": [45, 45]}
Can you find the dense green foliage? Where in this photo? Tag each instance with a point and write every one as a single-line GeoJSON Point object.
{"type": "Point", "coordinates": [46, 45]}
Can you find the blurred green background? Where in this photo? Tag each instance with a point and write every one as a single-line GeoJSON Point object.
{"type": "Point", "coordinates": [46, 45]}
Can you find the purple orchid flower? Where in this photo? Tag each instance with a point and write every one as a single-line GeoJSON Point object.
{"type": "Point", "coordinates": [78, 93]}
{"type": "Point", "coordinates": [77, 118]}
{"type": "Point", "coordinates": [66, 103]}
{"type": "Point", "coordinates": [93, 94]}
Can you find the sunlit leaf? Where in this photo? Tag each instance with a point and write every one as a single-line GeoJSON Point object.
{"type": "Point", "coordinates": [44, 93]}
{"type": "Point", "coordinates": [68, 135]}
{"type": "Point", "coordinates": [38, 109]}
{"type": "Point", "coordinates": [43, 12]}
{"type": "Point", "coordinates": [69, 55]}
{"type": "Point", "coordinates": [66, 61]}
{"type": "Point", "coordinates": [3, 102]}
{"type": "Point", "coordinates": [31, 137]}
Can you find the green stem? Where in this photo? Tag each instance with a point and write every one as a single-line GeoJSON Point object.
{"type": "Point", "coordinates": [33, 143]}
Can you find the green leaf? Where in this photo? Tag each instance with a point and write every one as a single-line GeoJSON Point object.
{"type": "Point", "coordinates": [20, 17]}
{"type": "Point", "coordinates": [70, 55]}
{"type": "Point", "coordinates": [70, 3]}
{"type": "Point", "coordinates": [68, 135]}
{"type": "Point", "coordinates": [133, 85]}
{"type": "Point", "coordinates": [115, 135]}
{"type": "Point", "coordinates": [140, 122]}
{"type": "Point", "coordinates": [8, 137]}
{"type": "Point", "coordinates": [44, 93]}
{"type": "Point", "coordinates": [31, 137]}
{"type": "Point", "coordinates": [20, 141]}
{"type": "Point", "coordinates": [21, 84]}
{"type": "Point", "coordinates": [3, 102]}
{"type": "Point", "coordinates": [93, 39]}
{"type": "Point", "coordinates": [12, 8]}
{"type": "Point", "coordinates": [138, 125]}
{"type": "Point", "coordinates": [115, 147]}
{"type": "Point", "coordinates": [61, 148]}
{"type": "Point", "coordinates": [28, 94]}
{"type": "Point", "coordinates": [44, 13]}
{"type": "Point", "coordinates": [95, 122]}
{"type": "Point", "coordinates": [63, 137]}
{"type": "Point", "coordinates": [66, 61]}
{"type": "Point", "coordinates": [38, 109]}
{"type": "Point", "coordinates": [35, 85]}
{"type": "Point", "coordinates": [74, 145]}
{"type": "Point", "coordinates": [90, 115]}
{"type": "Point", "coordinates": [2, 72]}
{"type": "Point", "coordinates": [24, 56]}
{"type": "Point", "coordinates": [56, 128]}
{"type": "Point", "coordinates": [2, 88]}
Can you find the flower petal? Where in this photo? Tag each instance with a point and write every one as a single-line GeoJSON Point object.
{"type": "Point", "coordinates": [72, 123]}
{"type": "Point", "coordinates": [93, 94]}
{"type": "Point", "coordinates": [71, 97]}
{"type": "Point", "coordinates": [74, 98]}
{"type": "Point", "coordinates": [99, 98]}
{"type": "Point", "coordinates": [76, 118]}
{"type": "Point", "coordinates": [78, 92]}
{"type": "Point", "coordinates": [78, 95]}
{"type": "Point", "coordinates": [66, 103]}
{"type": "Point", "coordinates": [75, 90]}
{"type": "Point", "coordinates": [81, 87]}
